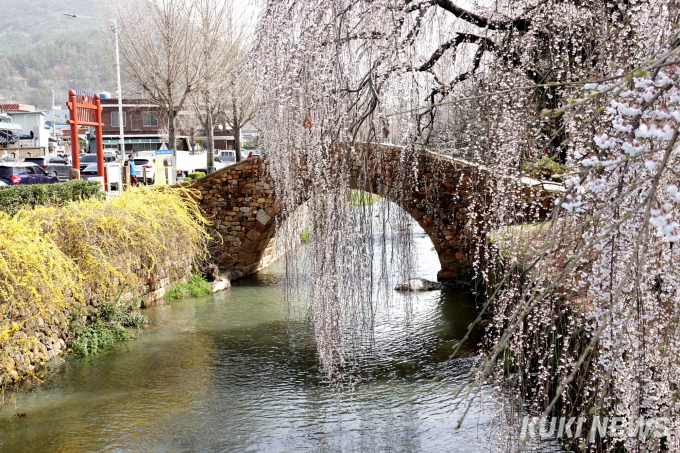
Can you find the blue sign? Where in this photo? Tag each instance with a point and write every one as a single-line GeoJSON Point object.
{"type": "Point", "coordinates": [164, 152]}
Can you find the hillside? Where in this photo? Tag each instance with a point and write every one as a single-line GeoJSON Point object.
{"type": "Point", "coordinates": [25, 23]}
{"type": "Point", "coordinates": [42, 50]}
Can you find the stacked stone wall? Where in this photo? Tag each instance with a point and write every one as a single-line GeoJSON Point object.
{"type": "Point", "coordinates": [52, 337]}
{"type": "Point", "coordinates": [239, 200]}
{"type": "Point", "coordinates": [176, 266]}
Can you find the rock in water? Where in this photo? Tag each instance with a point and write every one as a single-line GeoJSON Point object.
{"type": "Point", "coordinates": [220, 285]}
{"type": "Point", "coordinates": [418, 284]}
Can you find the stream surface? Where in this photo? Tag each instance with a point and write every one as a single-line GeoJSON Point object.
{"type": "Point", "coordinates": [228, 373]}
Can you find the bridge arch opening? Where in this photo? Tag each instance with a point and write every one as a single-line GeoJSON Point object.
{"type": "Point", "coordinates": [272, 237]}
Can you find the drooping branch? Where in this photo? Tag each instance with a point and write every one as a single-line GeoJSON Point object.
{"type": "Point", "coordinates": [444, 89]}
{"type": "Point", "coordinates": [486, 44]}
{"type": "Point", "coordinates": [520, 24]}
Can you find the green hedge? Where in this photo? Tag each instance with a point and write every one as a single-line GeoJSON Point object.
{"type": "Point", "coordinates": [194, 175]}
{"type": "Point", "coordinates": [13, 198]}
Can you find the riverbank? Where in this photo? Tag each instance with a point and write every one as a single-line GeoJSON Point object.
{"type": "Point", "coordinates": [59, 265]}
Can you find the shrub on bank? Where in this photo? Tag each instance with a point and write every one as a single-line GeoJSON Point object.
{"type": "Point", "coordinates": [105, 328]}
{"type": "Point", "coordinates": [39, 285]}
{"type": "Point", "coordinates": [194, 175]}
{"type": "Point", "coordinates": [196, 286]}
{"type": "Point", "coordinates": [114, 241]}
{"type": "Point", "coordinates": [14, 198]}
{"type": "Point", "coordinates": [55, 261]}
{"type": "Point", "coordinates": [544, 168]}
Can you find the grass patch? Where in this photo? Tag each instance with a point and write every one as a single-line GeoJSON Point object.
{"type": "Point", "coordinates": [361, 198]}
{"type": "Point", "coordinates": [545, 168]}
{"type": "Point", "coordinates": [105, 329]}
{"type": "Point", "coordinates": [513, 239]}
{"type": "Point", "coordinates": [196, 286]}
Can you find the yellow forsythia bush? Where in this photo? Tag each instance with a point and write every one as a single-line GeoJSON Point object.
{"type": "Point", "coordinates": [38, 284]}
{"type": "Point", "coordinates": [110, 240]}
{"type": "Point", "coordinates": [56, 260]}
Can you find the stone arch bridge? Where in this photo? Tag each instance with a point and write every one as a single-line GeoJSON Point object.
{"type": "Point", "coordinates": [445, 196]}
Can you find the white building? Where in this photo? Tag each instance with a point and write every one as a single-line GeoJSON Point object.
{"type": "Point", "coordinates": [34, 135]}
{"type": "Point", "coordinates": [32, 124]}
{"type": "Point", "coordinates": [57, 115]}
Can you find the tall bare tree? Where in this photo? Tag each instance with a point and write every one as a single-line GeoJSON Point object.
{"type": "Point", "coordinates": [160, 46]}
{"type": "Point", "coordinates": [221, 36]}
{"type": "Point", "coordinates": [240, 107]}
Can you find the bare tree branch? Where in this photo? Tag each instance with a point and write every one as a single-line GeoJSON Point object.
{"type": "Point", "coordinates": [481, 21]}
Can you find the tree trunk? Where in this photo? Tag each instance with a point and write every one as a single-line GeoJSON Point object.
{"type": "Point", "coordinates": [211, 142]}
{"type": "Point", "coordinates": [237, 129]}
{"type": "Point", "coordinates": [172, 132]}
{"type": "Point", "coordinates": [237, 141]}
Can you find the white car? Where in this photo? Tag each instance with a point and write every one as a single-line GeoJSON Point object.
{"type": "Point", "coordinates": [219, 165]}
{"type": "Point", "coordinates": [220, 162]}
{"type": "Point", "coordinates": [90, 171]}
{"type": "Point", "coordinates": [142, 164]}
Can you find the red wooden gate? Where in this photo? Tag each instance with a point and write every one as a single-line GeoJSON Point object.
{"type": "Point", "coordinates": [86, 110]}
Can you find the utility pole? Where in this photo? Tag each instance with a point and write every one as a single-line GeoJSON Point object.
{"type": "Point", "coordinates": [54, 119]}
{"type": "Point", "coordinates": [120, 95]}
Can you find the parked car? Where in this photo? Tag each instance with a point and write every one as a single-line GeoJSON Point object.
{"type": "Point", "coordinates": [65, 156]}
{"type": "Point", "coordinates": [142, 164]}
{"type": "Point", "coordinates": [53, 165]}
{"type": "Point", "coordinates": [12, 173]}
{"type": "Point", "coordinates": [227, 156]}
{"type": "Point", "coordinates": [90, 172]}
{"type": "Point", "coordinates": [219, 164]}
{"type": "Point", "coordinates": [88, 159]}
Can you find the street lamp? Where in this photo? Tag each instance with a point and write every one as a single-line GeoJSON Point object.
{"type": "Point", "coordinates": [120, 92]}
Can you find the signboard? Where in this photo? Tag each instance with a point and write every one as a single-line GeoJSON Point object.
{"type": "Point", "coordinates": [113, 176]}
{"type": "Point", "coordinates": [163, 162]}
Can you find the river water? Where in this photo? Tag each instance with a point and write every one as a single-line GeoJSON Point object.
{"type": "Point", "coordinates": [229, 373]}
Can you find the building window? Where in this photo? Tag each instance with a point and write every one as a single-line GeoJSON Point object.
{"type": "Point", "coordinates": [150, 118]}
{"type": "Point", "coordinates": [114, 119]}
{"type": "Point", "coordinates": [144, 147]}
